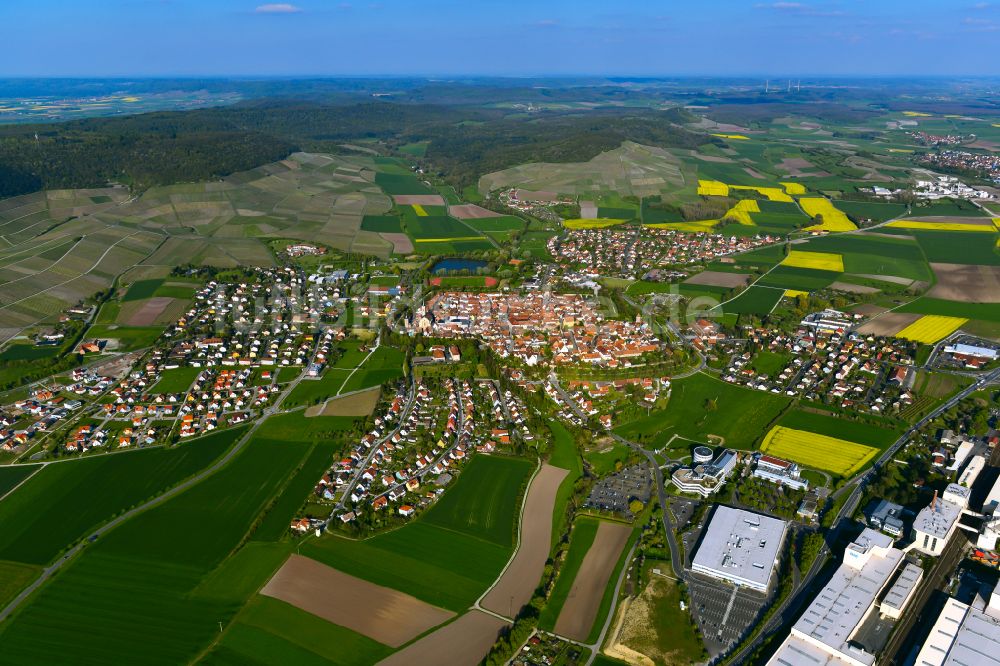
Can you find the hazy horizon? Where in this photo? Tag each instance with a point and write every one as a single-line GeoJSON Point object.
{"type": "Point", "coordinates": [447, 38]}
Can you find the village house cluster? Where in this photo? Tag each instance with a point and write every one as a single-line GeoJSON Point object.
{"type": "Point", "coordinates": [827, 362]}
{"type": "Point", "coordinates": [631, 252]}
{"type": "Point", "coordinates": [416, 447]}
{"type": "Point", "coordinates": [602, 398]}
{"type": "Point", "coordinates": [538, 328]}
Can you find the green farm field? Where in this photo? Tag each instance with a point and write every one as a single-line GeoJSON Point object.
{"type": "Point", "coordinates": [755, 300]}
{"type": "Point", "coordinates": [447, 557]}
{"type": "Point", "coordinates": [701, 405]}
{"type": "Point", "coordinates": [128, 597]}
{"type": "Point", "coordinates": [485, 505]}
{"type": "Point", "coordinates": [11, 476]}
{"type": "Point", "coordinates": [989, 312]}
{"type": "Point", "coordinates": [875, 255]}
{"type": "Point", "coordinates": [581, 539]}
{"type": "Point", "coordinates": [38, 525]}
{"type": "Point", "coordinates": [269, 631]}
{"type": "Point", "coordinates": [832, 426]}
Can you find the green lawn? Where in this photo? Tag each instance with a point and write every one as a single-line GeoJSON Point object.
{"type": "Point", "coordinates": [129, 338]}
{"type": "Point", "coordinates": [315, 391]}
{"type": "Point", "coordinates": [37, 524]}
{"type": "Point", "coordinates": [386, 364]}
{"type": "Point", "coordinates": [175, 380]}
{"type": "Point", "coordinates": [442, 558]}
{"type": "Point", "coordinates": [701, 405]}
{"type": "Point", "coordinates": [769, 362]}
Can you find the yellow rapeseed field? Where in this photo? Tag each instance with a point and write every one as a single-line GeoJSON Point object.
{"type": "Point", "coordinates": [940, 226]}
{"type": "Point", "coordinates": [795, 293]}
{"type": "Point", "coordinates": [772, 193]}
{"type": "Point", "coordinates": [916, 114]}
{"type": "Point", "coordinates": [931, 328]}
{"type": "Point", "coordinates": [794, 188]}
{"type": "Point", "coordinates": [741, 211]}
{"type": "Point", "coordinates": [833, 219]}
{"type": "Point", "coordinates": [820, 261]}
{"type": "Point", "coordinates": [596, 223]}
{"type": "Point", "coordinates": [832, 454]}
{"type": "Point", "coordinates": [738, 137]}
{"type": "Point", "coordinates": [419, 210]}
{"type": "Point", "coordinates": [712, 188]}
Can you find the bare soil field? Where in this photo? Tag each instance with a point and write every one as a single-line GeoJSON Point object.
{"type": "Point", "coordinates": [588, 210]}
{"type": "Point", "coordinates": [966, 283]}
{"type": "Point", "coordinates": [869, 309]}
{"type": "Point", "coordinates": [888, 323]}
{"type": "Point", "coordinates": [584, 600]}
{"type": "Point", "coordinates": [799, 168]}
{"type": "Point", "coordinates": [401, 243]}
{"type": "Point", "coordinates": [537, 195]}
{"type": "Point", "coordinates": [356, 404]}
{"type": "Point", "coordinates": [719, 279]}
{"type": "Point", "coordinates": [380, 613]}
{"type": "Point", "coordinates": [418, 199]}
{"type": "Point", "coordinates": [471, 212]}
{"type": "Point", "coordinates": [853, 288]}
{"type": "Point", "coordinates": [150, 310]}
{"type": "Point", "coordinates": [464, 642]}
{"type": "Point", "coordinates": [520, 578]}
{"type": "Point", "coordinates": [753, 173]}
{"type": "Point", "coordinates": [895, 279]}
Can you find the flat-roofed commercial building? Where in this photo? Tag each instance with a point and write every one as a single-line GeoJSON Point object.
{"type": "Point", "coordinates": [741, 547]}
{"type": "Point", "coordinates": [964, 635]}
{"type": "Point", "coordinates": [901, 592]}
{"type": "Point", "coordinates": [823, 635]}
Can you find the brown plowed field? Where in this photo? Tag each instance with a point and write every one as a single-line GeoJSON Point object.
{"type": "Point", "coordinates": [966, 283]}
{"type": "Point", "coordinates": [580, 610]}
{"type": "Point", "coordinates": [719, 279]}
{"type": "Point", "coordinates": [520, 579]}
{"type": "Point", "coordinates": [464, 642]}
{"type": "Point", "coordinates": [380, 613]}
{"type": "Point", "coordinates": [888, 323]}
{"type": "Point", "coordinates": [150, 310]}
{"type": "Point", "coordinates": [401, 243]}
{"type": "Point", "coordinates": [418, 199]}
{"type": "Point", "coordinates": [471, 212]}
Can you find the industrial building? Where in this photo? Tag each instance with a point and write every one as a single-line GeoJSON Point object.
{"type": "Point", "coordinates": [901, 592]}
{"type": "Point", "coordinates": [964, 634]}
{"type": "Point", "coordinates": [741, 547]}
{"type": "Point", "coordinates": [705, 478]}
{"type": "Point", "coordinates": [780, 471]}
{"type": "Point", "coordinates": [934, 525]}
{"type": "Point", "coordinates": [824, 634]}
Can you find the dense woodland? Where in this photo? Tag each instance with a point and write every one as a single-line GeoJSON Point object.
{"type": "Point", "coordinates": [169, 147]}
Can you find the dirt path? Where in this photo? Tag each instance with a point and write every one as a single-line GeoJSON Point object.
{"type": "Point", "coordinates": [381, 613]}
{"type": "Point", "coordinates": [464, 642]}
{"type": "Point", "coordinates": [517, 583]}
{"type": "Point", "coordinates": [584, 600]}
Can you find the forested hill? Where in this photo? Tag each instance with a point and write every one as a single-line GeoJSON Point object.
{"type": "Point", "coordinates": [169, 147]}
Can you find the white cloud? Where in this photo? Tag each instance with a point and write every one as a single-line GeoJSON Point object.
{"type": "Point", "coordinates": [278, 8]}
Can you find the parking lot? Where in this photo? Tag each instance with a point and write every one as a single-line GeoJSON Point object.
{"type": "Point", "coordinates": [724, 613]}
{"type": "Point", "coordinates": [613, 493]}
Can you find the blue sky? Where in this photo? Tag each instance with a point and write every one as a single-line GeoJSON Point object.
{"type": "Point", "coordinates": [516, 37]}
